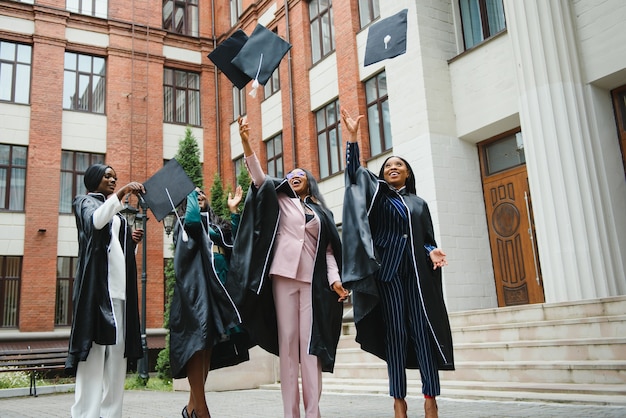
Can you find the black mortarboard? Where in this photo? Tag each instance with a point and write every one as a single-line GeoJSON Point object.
{"type": "Point", "coordinates": [224, 54]}
{"type": "Point", "coordinates": [167, 188]}
{"type": "Point", "coordinates": [386, 39]}
{"type": "Point", "coordinates": [261, 54]}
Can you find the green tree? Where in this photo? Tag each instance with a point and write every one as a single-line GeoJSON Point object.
{"type": "Point", "coordinates": [244, 180]}
{"type": "Point", "coordinates": [188, 156]}
{"type": "Point", "coordinates": [219, 197]}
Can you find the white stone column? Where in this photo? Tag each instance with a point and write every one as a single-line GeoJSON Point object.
{"type": "Point", "coordinates": [566, 181]}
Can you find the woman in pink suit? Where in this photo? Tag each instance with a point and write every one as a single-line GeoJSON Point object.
{"type": "Point", "coordinates": [288, 240]}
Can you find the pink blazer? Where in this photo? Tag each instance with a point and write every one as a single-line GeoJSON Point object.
{"type": "Point", "coordinates": [296, 240]}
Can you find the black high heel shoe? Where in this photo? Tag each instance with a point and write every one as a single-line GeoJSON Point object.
{"type": "Point", "coordinates": [185, 413]}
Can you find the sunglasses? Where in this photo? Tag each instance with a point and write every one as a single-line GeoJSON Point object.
{"type": "Point", "coordinates": [293, 174]}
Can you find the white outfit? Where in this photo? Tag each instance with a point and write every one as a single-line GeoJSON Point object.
{"type": "Point", "coordinates": [100, 378]}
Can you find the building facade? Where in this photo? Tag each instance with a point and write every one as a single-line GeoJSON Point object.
{"type": "Point", "coordinates": [512, 113]}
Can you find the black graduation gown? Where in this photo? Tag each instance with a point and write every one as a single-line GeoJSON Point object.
{"type": "Point", "coordinates": [93, 319]}
{"type": "Point", "coordinates": [202, 313]}
{"type": "Point", "coordinates": [361, 265]}
{"type": "Point", "coordinates": [248, 280]}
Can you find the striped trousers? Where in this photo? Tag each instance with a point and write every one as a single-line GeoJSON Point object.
{"type": "Point", "coordinates": [404, 319]}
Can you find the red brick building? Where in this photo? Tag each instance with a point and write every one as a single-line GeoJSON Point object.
{"type": "Point", "coordinates": [505, 139]}
{"type": "Point", "coordinates": [104, 82]}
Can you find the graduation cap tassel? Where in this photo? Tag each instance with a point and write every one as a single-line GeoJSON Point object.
{"type": "Point", "coordinates": [185, 236]}
{"type": "Point", "coordinates": [255, 83]}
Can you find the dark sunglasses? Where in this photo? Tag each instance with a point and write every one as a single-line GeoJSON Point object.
{"type": "Point", "coordinates": [293, 174]}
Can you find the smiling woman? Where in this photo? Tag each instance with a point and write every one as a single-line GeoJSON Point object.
{"type": "Point", "coordinates": [298, 317]}
{"type": "Point", "coordinates": [393, 255]}
{"type": "Point", "coordinates": [397, 173]}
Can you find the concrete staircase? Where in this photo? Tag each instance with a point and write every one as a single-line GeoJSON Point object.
{"type": "Point", "coordinates": [564, 352]}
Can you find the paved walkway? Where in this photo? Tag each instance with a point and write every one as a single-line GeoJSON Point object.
{"type": "Point", "coordinates": [267, 404]}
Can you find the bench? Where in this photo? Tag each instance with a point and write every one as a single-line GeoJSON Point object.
{"type": "Point", "coordinates": [33, 360]}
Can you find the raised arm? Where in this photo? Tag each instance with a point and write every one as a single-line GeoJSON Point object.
{"type": "Point", "coordinates": [244, 133]}
{"type": "Point", "coordinates": [252, 162]}
{"type": "Point", "coordinates": [105, 213]}
{"type": "Point", "coordinates": [352, 149]}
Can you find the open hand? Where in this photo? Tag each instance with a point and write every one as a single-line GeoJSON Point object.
{"type": "Point", "coordinates": [233, 201]}
{"type": "Point", "coordinates": [438, 257]}
{"type": "Point", "coordinates": [244, 129]}
{"type": "Point", "coordinates": [351, 125]}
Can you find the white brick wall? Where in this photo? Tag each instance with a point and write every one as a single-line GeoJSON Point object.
{"type": "Point", "coordinates": [484, 91]}
{"type": "Point", "coordinates": [602, 39]}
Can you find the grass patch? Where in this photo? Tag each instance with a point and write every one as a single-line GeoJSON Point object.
{"type": "Point", "coordinates": [135, 382]}
{"type": "Point", "coordinates": [12, 380]}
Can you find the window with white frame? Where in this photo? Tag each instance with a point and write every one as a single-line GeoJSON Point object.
{"type": "Point", "coordinates": [274, 151]}
{"type": "Point", "coordinates": [481, 19]}
{"type": "Point", "coordinates": [236, 9]}
{"type": "Point", "coordinates": [181, 16]}
{"type": "Point", "coordinates": [96, 8]}
{"type": "Point", "coordinates": [329, 139]}
{"type": "Point", "coordinates": [369, 10]}
{"type": "Point", "coordinates": [84, 83]}
{"type": "Point", "coordinates": [15, 69]}
{"type": "Point", "coordinates": [240, 165]}
{"type": "Point", "coordinates": [13, 159]}
{"type": "Point", "coordinates": [239, 102]}
{"type": "Point", "coordinates": [181, 97]}
{"type": "Point", "coordinates": [378, 113]}
{"type": "Point", "coordinates": [10, 282]}
{"type": "Point", "coordinates": [66, 269]}
{"type": "Point", "coordinates": [73, 167]}
{"type": "Point", "coordinates": [273, 84]}
{"type": "Point", "coordinates": [322, 36]}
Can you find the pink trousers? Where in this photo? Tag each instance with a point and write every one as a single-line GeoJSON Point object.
{"type": "Point", "coordinates": [293, 310]}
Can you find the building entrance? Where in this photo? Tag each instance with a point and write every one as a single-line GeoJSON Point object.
{"type": "Point", "coordinates": [508, 206]}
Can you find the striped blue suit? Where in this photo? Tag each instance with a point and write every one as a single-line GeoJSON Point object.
{"type": "Point", "coordinates": [393, 230]}
{"type": "Point", "coordinates": [400, 298]}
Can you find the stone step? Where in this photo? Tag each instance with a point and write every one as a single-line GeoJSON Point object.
{"type": "Point", "coordinates": [601, 394]}
{"type": "Point", "coordinates": [513, 391]}
{"type": "Point", "coordinates": [564, 372]}
{"type": "Point", "coordinates": [588, 349]}
{"type": "Point", "coordinates": [566, 329]}
{"type": "Point", "coordinates": [540, 312]}
{"type": "Point", "coordinates": [557, 350]}
{"type": "Point", "coordinates": [594, 327]}
{"type": "Point", "coordinates": [564, 352]}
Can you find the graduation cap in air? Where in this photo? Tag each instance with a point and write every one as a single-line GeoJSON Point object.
{"type": "Point", "coordinates": [261, 55]}
{"type": "Point", "coordinates": [386, 39]}
{"type": "Point", "coordinates": [167, 188]}
{"type": "Point", "coordinates": [224, 53]}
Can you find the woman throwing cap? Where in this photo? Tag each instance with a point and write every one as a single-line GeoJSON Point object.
{"type": "Point", "coordinates": [203, 318]}
{"type": "Point", "coordinates": [287, 260]}
{"type": "Point", "coordinates": [393, 266]}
